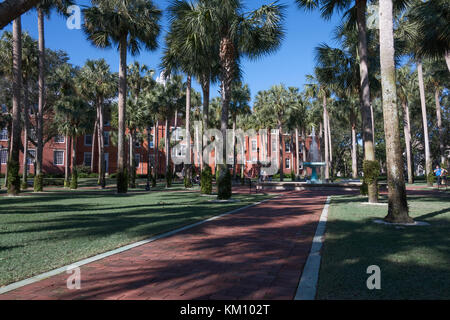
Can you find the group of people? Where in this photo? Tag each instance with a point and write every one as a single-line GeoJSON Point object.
{"type": "Point", "coordinates": [441, 175]}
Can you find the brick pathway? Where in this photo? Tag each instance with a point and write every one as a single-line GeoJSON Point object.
{"type": "Point", "coordinates": [257, 253]}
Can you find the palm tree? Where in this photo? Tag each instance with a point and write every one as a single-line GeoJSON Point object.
{"type": "Point", "coordinates": [236, 34]}
{"type": "Point", "coordinates": [432, 37]}
{"type": "Point", "coordinates": [44, 9]}
{"type": "Point", "coordinates": [97, 84]}
{"type": "Point", "coordinates": [130, 25]}
{"type": "Point", "coordinates": [13, 163]}
{"type": "Point", "coordinates": [356, 9]}
{"type": "Point", "coordinates": [296, 122]}
{"type": "Point", "coordinates": [398, 206]}
{"type": "Point", "coordinates": [405, 83]}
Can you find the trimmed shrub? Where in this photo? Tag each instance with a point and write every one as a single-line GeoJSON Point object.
{"type": "Point", "coordinates": [206, 180]}
{"type": "Point", "coordinates": [224, 183]}
{"type": "Point", "coordinates": [292, 175]}
{"type": "Point", "coordinates": [66, 183]}
{"type": "Point", "coordinates": [431, 178]}
{"type": "Point", "coordinates": [122, 181]}
{"type": "Point", "coordinates": [38, 183]}
{"type": "Point", "coordinates": [13, 178]}
{"type": "Point", "coordinates": [24, 185]}
{"type": "Point", "coordinates": [74, 180]}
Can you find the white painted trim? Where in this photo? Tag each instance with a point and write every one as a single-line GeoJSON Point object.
{"type": "Point", "coordinates": [54, 272]}
{"type": "Point", "coordinates": [307, 286]}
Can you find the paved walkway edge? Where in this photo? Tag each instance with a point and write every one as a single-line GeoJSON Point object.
{"type": "Point", "coordinates": [307, 287]}
{"type": "Point", "coordinates": [80, 263]}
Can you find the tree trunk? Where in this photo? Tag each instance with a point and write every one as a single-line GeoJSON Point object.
{"type": "Point", "coordinates": [227, 65]}
{"type": "Point", "coordinates": [14, 185]}
{"type": "Point", "coordinates": [447, 59]}
{"type": "Point", "coordinates": [297, 154]}
{"type": "Point", "coordinates": [407, 133]}
{"type": "Point", "coordinates": [167, 147]}
{"type": "Point", "coordinates": [132, 161]}
{"type": "Point", "coordinates": [187, 138]}
{"type": "Point", "coordinates": [205, 83]}
{"type": "Point", "coordinates": [101, 144]}
{"type": "Point", "coordinates": [26, 122]}
{"type": "Point", "coordinates": [439, 124]}
{"type": "Point", "coordinates": [234, 148]}
{"type": "Point", "coordinates": [41, 99]}
{"type": "Point", "coordinates": [398, 206]}
{"type": "Point", "coordinates": [325, 139]}
{"type": "Point", "coordinates": [156, 150]}
{"type": "Point", "coordinates": [12, 9]}
{"type": "Point", "coordinates": [329, 143]}
{"type": "Point", "coordinates": [281, 148]}
{"type": "Point", "coordinates": [121, 170]}
{"type": "Point", "coordinates": [148, 156]}
{"type": "Point", "coordinates": [354, 147]}
{"type": "Point", "coordinates": [74, 155]}
{"type": "Point", "coordinates": [67, 160]}
{"type": "Point", "coordinates": [428, 164]}
{"type": "Point", "coordinates": [94, 138]}
{"type": "Point", "coordinates": [369, 151]}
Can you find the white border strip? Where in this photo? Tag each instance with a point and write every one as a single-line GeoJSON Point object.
{"type": "Point", "coordinates": [308, 283]}
{"type": "Point", "coordinates": [54, 272]}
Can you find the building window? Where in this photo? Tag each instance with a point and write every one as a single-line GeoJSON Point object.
{"type": "Point", "coordinates": [58, 157]}
{"type": "Point", "coordinates": [4, 108]}
{"type": "Point", "coordinates": [59, 139]}
{"type": "Point", "coordinates": [30, 160]}
{"type": "Point", "coordinates": [106, 138]}
{"type": "Point", "coordinates": [107, 123]}
{"type": "Point", "coordinates": [137, 144]}
{"type": "Point", "coordinates": [287, 146]}
{"type": "Point", "coordinates": [4, 156]}
{"type": "Point", "coordinates": [288, 163]}
{"type": "Point", "coordinates": [88, 140]}
{"type": "Point", "coordinates": [151, 142]}
{"type": "Point", "coordinates": [32, 135]}
{"type": "Point", "coordinates": [180, 151]}
{"type": "Point", "coordinates": [4, 135]}
{"type": "Point", "coordinates": [254, 159]}
{"type": "Point", "coordinates": [137, 160]}
{"type": "Point", "coordinates": [254, 146]}
{"type": "Point", "coordinates": [87, 159]}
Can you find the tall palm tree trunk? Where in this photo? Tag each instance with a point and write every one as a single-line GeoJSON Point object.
{"type": "Point", "coordinates": [407, 133]}
{"type": "Point", "coordinates": [428, 164]}
{"type": "Point", "coordinates": [122, 176]}
{"type": "Point", "coordinates": [439, 123]}
{"type": "Point", "coordinates": [369, 150]}
{"type": "Point", "coordinates": [234, 149]}
{"type": "Point", "coordinates": [281, 149]}
{"type": "Point", "coordinates": [156, 150]}
{"type": "Point", "coordinates": [148, 156]}
{"type": "Point", "coordinates": [95, 137]}
{"type": "Point", "coordinates": [74, 161]}
{"type": "Point", "coordinates": [26, 122]}
{"type": "Point", "coordinates": [187, 138]}
{"type": "Point", "coordinates": [67, 161]}
{"type": "Point", "coordinates": [205, 83]}
{"type": "Point", "coordinates": [13, 163]}
{"type": "Point", "coordinates": [132, 160]}
{"type": "Point", "coordinates": [325, 138]}
{"type": "Point", "coordinates": [398, 206]}
{"type": "Point", "coordinates": [101, 144]}
{"type": "Point", "coordinates": [330, 145]}
{"type": "Point", "coordinates": [167, 151]}
{"type": "Point", "coordinates": [41, 101]}
{"type": "Point", "coordinates": [354, 148]}
{"type": "Point", "coordinates": [297, 154]}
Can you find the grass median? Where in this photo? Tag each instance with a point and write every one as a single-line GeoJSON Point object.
{"type": "Point", "coordinates": [414, 261]}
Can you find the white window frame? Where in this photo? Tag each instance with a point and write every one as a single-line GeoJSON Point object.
{"type": "Point", "coordinates": [287, 146]}
{"type": "Point", "coordinates": [59, 141]}
{"type": "Point", "coordinates": [287, 163]}
{"type": "Point", "coordinates": [54, 157]}
{"type": "Point", "coordinates": [136, 161]}
{"type": "Point", "coordinates": [4, 150]}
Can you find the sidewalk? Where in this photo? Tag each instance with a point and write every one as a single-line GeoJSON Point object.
{"type": "Point", "coordinates": [256, 253]}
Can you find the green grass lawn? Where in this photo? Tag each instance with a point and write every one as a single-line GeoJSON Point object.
{"type": "Point", "coordinates": [41, 232]}
{"type": "Point", "coordinates": [414, 261]}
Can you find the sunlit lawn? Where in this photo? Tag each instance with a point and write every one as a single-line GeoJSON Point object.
{"type": "Point", "coordinates": [45, 231]}
{"type": "Point", "coordinates": [414, 261]}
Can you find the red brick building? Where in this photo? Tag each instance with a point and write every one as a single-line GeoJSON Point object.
{"type": "Point", "coordinates": [54, 155]}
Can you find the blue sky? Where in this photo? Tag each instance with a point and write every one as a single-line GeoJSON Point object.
{"type": "Point", "coordinates": [289, 65]}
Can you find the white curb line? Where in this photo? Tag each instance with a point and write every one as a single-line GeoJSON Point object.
{"type": "Point", "coordinates": [54, 272]}
{"type": "Point", "coordinates": [308, 283]}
